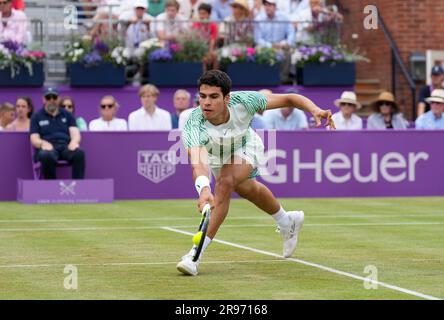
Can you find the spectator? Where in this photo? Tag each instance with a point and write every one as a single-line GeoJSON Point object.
{"type": "Point", "coordinates": [13, 23]}
{"type": "Point", "coordinates": [317, 23]}
{"type": "Point", "coordinates": [285, 118]}
{"type": "Point", "coordinates": [7, 115]}
{"type": "Point", "coordinates": [238, 27]}
{"type": "Point", "coordinates": [149, 116]}
{"type": "Point", "coordinates": [156, 7]}
{"type": "Point", "coordinates": [108, 120]}
{"type": "Point", "coordinates": [209, 31]}
{"type": "Point", "coordinates": [184, 115]}
{"type": "Point", "coordinates": [102, 28]}
{"type": "Point", "coordinates": [221, 10]}
{"type": "Point", "coordinates": [346, 119]}
{"type": "Point", "coordinates": [23, 110]}
{"type": "Point", "coordinates": [18, 4]}
{"type": "Point", "coordinates": [433, 119]}
{"type": "Point", "coordinates": [188, 8]}
{"type": "Point", "coordinates": [181, 103]}
{"type": "Point", "coordinates": [273, 29]}
{"type": "Point", "coordinates": [170, 23]}
{"type": "Point", "coordinates": [386, 114]}
{"type": "Point", "coordinates": [68, 104]}
{"type": "Point", "coordinates": [139, 26]}
{"type": "Point", "coordinates": [56, 137]}
{"type": "Point", "coordinates": [437, 76]}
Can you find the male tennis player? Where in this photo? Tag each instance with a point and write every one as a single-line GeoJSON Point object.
{"type": "Point", "coordinates": [218, 136]}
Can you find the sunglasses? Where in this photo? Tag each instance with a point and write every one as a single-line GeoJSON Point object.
{"type": "Point", "coordinates": [4, 2]}
{"type": "Point", "coordinates": [345, 104]}
{"type": "Point", "coordinates": [66, 106]}
{"type": "Point", "coordinates": [388, 104]}
{"type": "Point", "coordinates": [109, 106]}
{"type": "Point", "coordinates": [51, 97]}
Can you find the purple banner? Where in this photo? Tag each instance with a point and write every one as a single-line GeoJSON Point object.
{"type": "Point", "coordinates": [308, 164]}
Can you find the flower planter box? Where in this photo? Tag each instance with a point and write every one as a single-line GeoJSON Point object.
{"type": "Point", "coordinates": [174, 73]}
{"type": "Point", "coordinates": [103, 75]}
{"type": "Point", "coordinates": [253, 74]}
{"type": "Point", "coordinates": [340, 74]}
{"type": "Point", "coordinates": [23, 78]}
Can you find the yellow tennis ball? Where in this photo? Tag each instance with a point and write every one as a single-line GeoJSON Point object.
{"type": "Point", "coordinates": [197, 237]}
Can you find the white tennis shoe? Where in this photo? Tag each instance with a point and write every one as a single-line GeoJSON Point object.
{"type": "Point", "coordinates": [290, 233]}
{"type": "Point", "coordinates": [187, 265]}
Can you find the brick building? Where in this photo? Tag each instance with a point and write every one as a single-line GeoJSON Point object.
{"type": "Point", "coordinates": [415, 25]}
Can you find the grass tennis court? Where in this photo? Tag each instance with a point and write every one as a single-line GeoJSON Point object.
{"type": "Point", "coordinates": [122, 251]}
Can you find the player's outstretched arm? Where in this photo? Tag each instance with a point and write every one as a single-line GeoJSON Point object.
{"type": "Point", "coordinates": [293, 100]}
{"type": "Point", "coordinates": [201, 173]}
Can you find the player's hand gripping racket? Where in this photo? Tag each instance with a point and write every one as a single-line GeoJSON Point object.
{"type": "Point", "coordinates": [199, 237]}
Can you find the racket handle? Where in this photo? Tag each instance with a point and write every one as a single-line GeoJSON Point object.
{"type": "Point", "coordinates": [206, 208]}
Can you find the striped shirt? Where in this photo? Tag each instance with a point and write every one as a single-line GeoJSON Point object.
{"type": "Point", "coordinates": [228, 136]}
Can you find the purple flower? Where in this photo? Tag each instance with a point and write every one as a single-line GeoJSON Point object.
{"type": "Point", "coordinates": [101, 47]}
{"type": "Point", "coordinates": [92, 59]}
{"type": "Point", "coordinates": [13, 47]}
{"type": "Point", "coordinates": [161, 55]}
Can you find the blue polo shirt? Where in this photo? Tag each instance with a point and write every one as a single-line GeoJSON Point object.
{"type": "Point", "coordinates": [53, 129]}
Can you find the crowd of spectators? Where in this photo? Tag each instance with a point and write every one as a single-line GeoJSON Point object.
{"type": "Point", "coordinates": [281, 24]}
{"type": "Point", "coordinates": [152, 117]}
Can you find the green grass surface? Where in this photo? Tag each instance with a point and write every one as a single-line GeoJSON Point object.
{"type": "Point", "coordinates": [121, 251]}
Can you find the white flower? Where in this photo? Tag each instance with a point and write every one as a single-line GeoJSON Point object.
{"type": "Point", "coordinates": [126, 53]}
{"type": "Point", "coordinates": [225, 52]}
{"type": "Point", "coordinates": [76, 44]}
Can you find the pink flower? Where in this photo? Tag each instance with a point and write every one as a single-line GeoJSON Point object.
{"type": "Point", "coordinates": [175, 47]}
{"type": "Point", "coordinates": [236, 52]}
{"type": "Point", "coordinates": [250, 52]}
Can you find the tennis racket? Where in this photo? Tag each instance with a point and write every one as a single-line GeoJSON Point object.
{"type": "Point", "coordinates": [203, 227]}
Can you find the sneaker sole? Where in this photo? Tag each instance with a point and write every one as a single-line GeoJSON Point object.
{"type": "Point", "coordinates": [184, 270]}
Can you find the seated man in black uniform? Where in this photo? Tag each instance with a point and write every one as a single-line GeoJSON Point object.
{"type": "Point", "coordinates": [56, 137]}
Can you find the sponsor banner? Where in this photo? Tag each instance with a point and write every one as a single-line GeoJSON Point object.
{"type": "Point", "coordinates": [65, 191]}
{"type": "Point", "coordinates": [154, 165]}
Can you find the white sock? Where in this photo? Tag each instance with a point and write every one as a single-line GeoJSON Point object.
{"type": "Point", "coordinates": [204, 246]}
{"type": "Point", "coordinates": [281, 217]}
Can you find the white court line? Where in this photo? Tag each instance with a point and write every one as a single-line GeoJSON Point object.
{"type": "Point", "coordinates": [264, 217]}
{"type": "Point", "coordinates": [73, 229]}
{"type": "Point", "coordinates": [118, 264]}
{"type": "Point", "coordinates": [315, 265]}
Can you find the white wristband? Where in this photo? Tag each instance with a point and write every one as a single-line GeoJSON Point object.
{"type": "Point", "coordinates": [201, 182]}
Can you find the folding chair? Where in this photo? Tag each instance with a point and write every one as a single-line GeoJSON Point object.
{"type": "Point", "coordinates": [37, 166]}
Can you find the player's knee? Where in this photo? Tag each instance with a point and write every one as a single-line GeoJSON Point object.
{"type": "Point", "coordinates": [225, 183]}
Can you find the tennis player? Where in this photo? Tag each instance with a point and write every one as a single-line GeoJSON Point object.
{"type": "Point", "coordinates": [218, 136]}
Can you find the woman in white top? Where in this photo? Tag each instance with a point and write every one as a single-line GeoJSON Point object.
{"type": "Point", "coordinates": [346, 119]}
{"type": "Point", "coordinates": [108, 120]}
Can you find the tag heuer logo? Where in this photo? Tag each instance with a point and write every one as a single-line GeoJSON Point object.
{"type": "Point", "coordinates": [155, 165]}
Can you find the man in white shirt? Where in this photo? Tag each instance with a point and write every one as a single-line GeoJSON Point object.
{"type": "Point", "coordinates": [140, 26]}
{"type": "Point", "coordinates": [149, 117]}
{"type": "Point", "coordinates": [13, 23]}
{"type": "Point", "coordinates": [108, 120]}
{"type": "Point", "coordinates": [170, 23]}
{"type": "Point", "coordinates": [345, 119]}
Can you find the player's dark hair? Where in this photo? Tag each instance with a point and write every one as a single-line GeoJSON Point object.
{"type": "Point", "coordinates": [205, 6]}
{"type": "Point", "coordinates": [216, 78]}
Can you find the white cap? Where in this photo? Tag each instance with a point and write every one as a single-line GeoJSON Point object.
{"type": "Point", "coordinates": [141, 4]}
{"type": "Point", "coordinates": [436, 96]}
